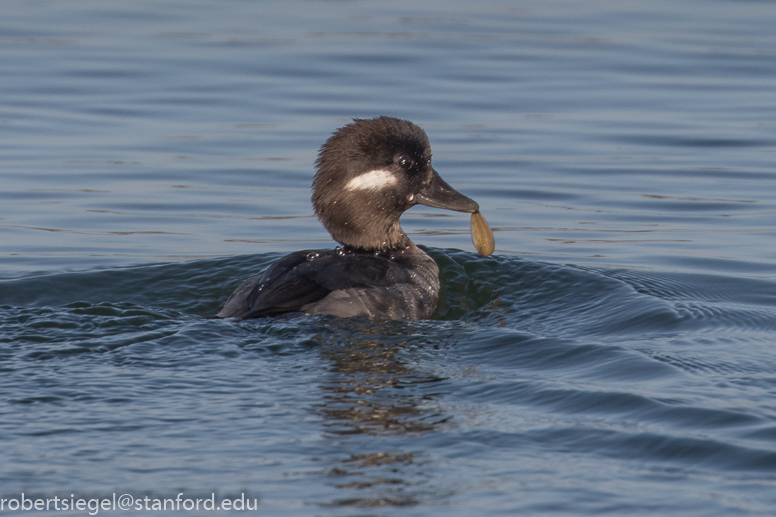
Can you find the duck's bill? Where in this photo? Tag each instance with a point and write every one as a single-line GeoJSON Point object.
{"type": "Point", "coordinates": [441, 195]}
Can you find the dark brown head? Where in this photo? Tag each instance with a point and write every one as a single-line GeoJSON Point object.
{"type": "Point", "coordinates": [369, 173]}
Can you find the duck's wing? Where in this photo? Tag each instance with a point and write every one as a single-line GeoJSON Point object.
{"type": "Point", "coordinates": [301, 279]}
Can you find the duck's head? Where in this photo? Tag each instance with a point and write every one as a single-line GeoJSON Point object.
{"type": "Point", "coordinates": [369, 173]}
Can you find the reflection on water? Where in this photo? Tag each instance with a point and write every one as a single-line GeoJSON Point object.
{"type": "Point", "coordinates": [392, 476]}
{"type": "Point", "coordinates": [370, 392]}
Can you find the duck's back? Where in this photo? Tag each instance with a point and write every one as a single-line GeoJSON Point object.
{"type": "Point", "coordinates": [345, 283]}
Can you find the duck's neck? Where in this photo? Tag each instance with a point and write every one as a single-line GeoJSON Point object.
{"type": "Point", "coordinates": [373, 239]}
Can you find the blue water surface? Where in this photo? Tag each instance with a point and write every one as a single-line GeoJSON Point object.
{"type": "Point", "coordinates": [615, 356]}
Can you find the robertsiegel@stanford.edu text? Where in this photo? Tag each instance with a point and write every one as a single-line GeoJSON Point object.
{"type": "Point", "coordinates": [126, 502]}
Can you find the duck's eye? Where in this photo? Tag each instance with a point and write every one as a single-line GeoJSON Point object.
{"type": "Point", "coordinates": [405, 162]}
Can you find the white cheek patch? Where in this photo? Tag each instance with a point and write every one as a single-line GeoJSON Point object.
{"type": "Point", "coordinates": [372, 180]}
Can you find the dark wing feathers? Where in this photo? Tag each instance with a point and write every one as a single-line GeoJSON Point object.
{"type": "Point", "coordinates": [295, 281]}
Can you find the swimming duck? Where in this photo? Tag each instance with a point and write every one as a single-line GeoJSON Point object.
{"type": "Point", "coordinates": [369, 173]}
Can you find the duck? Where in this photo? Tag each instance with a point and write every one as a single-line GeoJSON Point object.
{"type": "Point", "coordinates": [368, 173]}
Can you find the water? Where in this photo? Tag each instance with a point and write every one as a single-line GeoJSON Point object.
{"type": "Point", "coordinates": [614, 356]}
